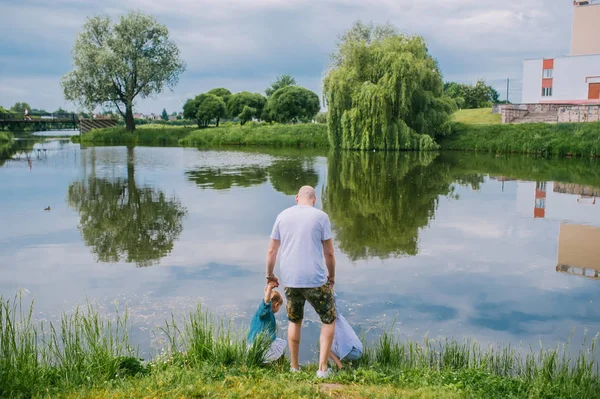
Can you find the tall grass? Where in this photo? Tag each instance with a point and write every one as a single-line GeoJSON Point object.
{"type": "Point", "coordinates": [163, 135]}
{"type": "Point", "coordinates": [541, 373]}
{"type": "Point", "coordinates": [304, 135]}
{"type": "Point", "coordinates": [577, 139]}
{"type": "Point", "coordinates": [202, 338]}
{"type": "Point", "coordinates": [82, 349]}
{"type": "Point", "coordinates": [86, 352]}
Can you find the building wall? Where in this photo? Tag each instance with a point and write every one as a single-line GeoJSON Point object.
{"type": "Point", "coordinates": [586, 30]}
{"type": "Point", "coordinates": [570, 79]}
{"type": "Point", "coordinates": [570, 74]}
{"type": "Point", "coordinates": [532, 81]}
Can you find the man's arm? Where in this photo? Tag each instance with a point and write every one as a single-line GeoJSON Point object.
{"type": "Point", "coordinates": [268, 292]}
{"type": "Point", "coordinates": [329, 254]}
{"type": "Point", "coordinates": [272, 259]}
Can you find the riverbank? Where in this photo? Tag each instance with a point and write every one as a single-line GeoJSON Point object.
{"type": "Point", "coordinates": [302, 135]}
{"type": "Point", "coordinates": [574, 139]}
{"type": "Point", "coordinates": [564, 139]}
{"type": "Point", "coordinates": [86, 355]}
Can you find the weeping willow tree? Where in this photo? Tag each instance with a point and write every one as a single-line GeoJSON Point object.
{"type": "Point", "coordinates": [384, 91]}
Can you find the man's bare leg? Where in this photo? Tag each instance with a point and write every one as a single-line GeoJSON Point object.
{"type": "Point", "coordinates": [294, 332]}
{"type": "Point", "coordinates": [327, 332]}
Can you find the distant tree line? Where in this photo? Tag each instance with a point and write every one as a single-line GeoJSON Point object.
{"type": "Point", "coordinates": [479, 95]}
{"type": "Point", "coordinates": [283, 102]}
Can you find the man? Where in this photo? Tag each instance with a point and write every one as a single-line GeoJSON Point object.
{"type": "Point", "coordinates": [302, 235]}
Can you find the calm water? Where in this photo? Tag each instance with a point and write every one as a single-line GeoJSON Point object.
{"type": "Point", "coordinates": [446, 245]}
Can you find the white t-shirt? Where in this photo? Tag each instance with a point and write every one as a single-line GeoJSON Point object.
{"type": "Point", "coordinates": [344, 338]}
{"type": "Point", "coordinates": [302, 230]}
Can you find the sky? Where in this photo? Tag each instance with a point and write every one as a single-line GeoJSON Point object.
{"type": "Point", "coordinates": [244, 45]}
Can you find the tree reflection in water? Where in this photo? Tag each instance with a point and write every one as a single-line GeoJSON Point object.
{"type": "Point", "coordinates": [121, 221]}
{"type": "Point", "coordinates": [286, 175]}
{"type": "Point", "coordinates": [378, 202]}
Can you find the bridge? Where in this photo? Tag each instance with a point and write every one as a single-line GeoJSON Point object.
{"type": "Point", "coordinates": [53, 122]}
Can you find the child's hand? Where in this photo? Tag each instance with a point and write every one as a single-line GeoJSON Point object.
{"type": "Point", "coordinates": [272, 284]}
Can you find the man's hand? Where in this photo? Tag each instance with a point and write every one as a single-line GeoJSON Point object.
{"type": "Point", "coordinates": [273, 279]}
{"type": "Point", "coordinates": [331, 280]}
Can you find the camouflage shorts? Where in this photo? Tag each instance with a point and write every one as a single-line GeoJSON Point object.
{"type": "Point", "coordinates": [320, 298]}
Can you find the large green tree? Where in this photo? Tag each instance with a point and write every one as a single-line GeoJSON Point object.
{"type": "Point", "coordinates": [20, 107]}
{"type": "Point", "coordinates": [221, 92]}
{"type": "Point", "coordinates": [205, 108]}
{"type": "Point", "coordinates": [245, 105]}
{"type": "Point", "coordinates": [384, 91]}
{"type": "Point", "coordinates": [115, 63]}
{"type": "Point", "coordinates": [211, 108]}
{"type": "Point", "coordinates": [120, 220]}
{"type": "Point", "coordinates": [164, 116]}
{"type": "Point", "coordinates": [468, 96]}
{"type": "Point", "coordinates": [281, 82]}
{"type": "Point", "coordinates": [292, 104]}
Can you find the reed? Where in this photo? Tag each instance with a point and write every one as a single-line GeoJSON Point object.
{"type": "Point", "coordinates": [87, 355]}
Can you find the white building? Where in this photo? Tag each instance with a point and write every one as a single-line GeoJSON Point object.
{"type": "Point", "coordinates": [574, 79]}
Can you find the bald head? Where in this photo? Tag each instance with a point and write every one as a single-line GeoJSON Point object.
{"type": "Point", "coordinates": [306, 196]}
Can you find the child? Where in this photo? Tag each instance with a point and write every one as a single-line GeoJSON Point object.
{"type": "Point", "coordinates": [263, 322]}
{"type": "Point", "coordinates": [346, 344]}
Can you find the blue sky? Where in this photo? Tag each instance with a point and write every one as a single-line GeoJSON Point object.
{"type": "Point", "coordinates": [245, 44]}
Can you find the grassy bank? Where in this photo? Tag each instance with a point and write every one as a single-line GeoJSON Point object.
{"type": "Point", "coordinates": [304, 135]}
{"type": "Point", "coordinates": [479, 116]}
{"type": "Point", "coordinates": [576, 139]}
{"type": "Point", "coordinates": [143, 135]}
{"type": "Point", "coordinates": [87, 356]}
{"type": "Point", "coordinates": [307, 135]}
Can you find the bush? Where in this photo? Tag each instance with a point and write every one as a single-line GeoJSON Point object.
{"type": "Point", "coordinates": [303, 135]}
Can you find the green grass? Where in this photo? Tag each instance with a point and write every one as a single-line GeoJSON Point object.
{"type": "Point", "coordinates": [6, 137]}
{"type": "Point", "coordinates": [304, 135]}
{"type": "Point", "coordinates": [307, 135]}
{"type": "Point", "coordinates": [85, 355]}
{"type": "Point", "coordinates": [572, 139]}
{"type": "Point", "coordinates": [163, 135]}
{"type": "Point", "coordinates": [477, 116]}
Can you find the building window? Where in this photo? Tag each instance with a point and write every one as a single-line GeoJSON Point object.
{"type": "Point", "coordinates": [547, 73]}
{"type": "Point", "coordinates": [547, 92]}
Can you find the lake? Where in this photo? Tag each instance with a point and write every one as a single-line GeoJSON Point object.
{"type": "Point", "coordinates": [494, 249]}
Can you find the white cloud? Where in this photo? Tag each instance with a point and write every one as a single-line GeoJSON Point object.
{"type": "Point", "coordinates": [245, 44]}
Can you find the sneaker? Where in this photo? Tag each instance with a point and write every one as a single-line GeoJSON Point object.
{"type": "Point", "coordinates": [324, 374]}
{"type": "Point", "coordinates": [293, 370]}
